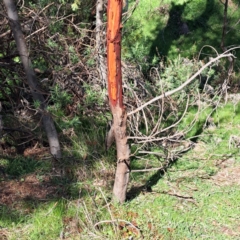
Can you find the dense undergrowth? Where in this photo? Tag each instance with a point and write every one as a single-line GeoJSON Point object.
{"type": "Point", "coordinates": [193, 193]}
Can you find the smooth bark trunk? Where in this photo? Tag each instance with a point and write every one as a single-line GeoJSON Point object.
{"type": "Point", "coordinates": [123, 153]}
{"type": "Point", "coordinates": [31, 78]}
{"type": "Point", "coordinates": [119, 127]}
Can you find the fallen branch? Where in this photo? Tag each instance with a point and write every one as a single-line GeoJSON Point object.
{"type": "Point", "coordinates": [169, 93]}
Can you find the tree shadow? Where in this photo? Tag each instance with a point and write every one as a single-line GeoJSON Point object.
{"type": "Point", "coordinates": [27, 182]}
{"type": "Point", "coordinates": [184, 36]}
{"type": "Point", "coordinates": [152, 181]}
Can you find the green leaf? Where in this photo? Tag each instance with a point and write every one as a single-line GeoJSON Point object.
{"type": "Point", "coordinates": [74, 6]}
{"type": "Point", "coordinates": [17, 60]}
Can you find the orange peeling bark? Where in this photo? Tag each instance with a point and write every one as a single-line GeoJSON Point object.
{"type": "Point", "coordinates": [114, 52]}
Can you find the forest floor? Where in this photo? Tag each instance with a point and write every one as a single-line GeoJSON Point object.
{"type": "Point", "coordinates": [197, 197]}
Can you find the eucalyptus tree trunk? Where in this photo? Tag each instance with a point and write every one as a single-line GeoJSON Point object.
{"type": "Point", "coordinates": [119, 126]}
{"type": "Point", "coordinates": [31, 78]}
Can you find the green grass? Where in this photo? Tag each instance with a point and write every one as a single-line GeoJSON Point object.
{"type": "Point", "coordinates": [185, 202]}
{"type": "Point", "coordinates": [155, 24]}
{"type": "Point", "coordinates": [18, 166]}
{"type": "Point", "coordinates": [45, 223]}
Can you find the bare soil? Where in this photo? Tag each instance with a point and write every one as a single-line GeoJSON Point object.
{"type": "Point", "coordinates": [228, 175]}
{"type": "Point", "coordinates": [13, 192]}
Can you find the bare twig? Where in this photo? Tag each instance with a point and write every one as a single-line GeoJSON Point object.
{"type": "Point", "coordinates": [130, 12]}
{"type": "Point", "coordinates": [109, 210]}
{"type": "Point", "coordinates": [169, 93]}
{"type": "Point", "coordinates": [116, 221]}
{"type": "Point", "coordinates": [147, 170]}
{"type": "Point", "coordinates": [152, 138]}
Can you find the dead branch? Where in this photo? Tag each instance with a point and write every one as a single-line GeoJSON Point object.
{"type": "Point", "coordinates": [169, 93]}
{"type": "Point", "coordinates": [153, 138]}
{"type": "Point", "coordinates": [130, 12]}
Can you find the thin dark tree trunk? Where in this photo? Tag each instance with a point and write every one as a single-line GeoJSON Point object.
{"type": "Point", "coordinates": [224, 32]}
{"type": "Point", "coordinates": [100, 43]}
{"type": "Point", "coordinates": [115, 94]}
{"type": "Point", "coordinates": [1, 123]}
{"type": "Point", "coordinates": [31, 78]}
